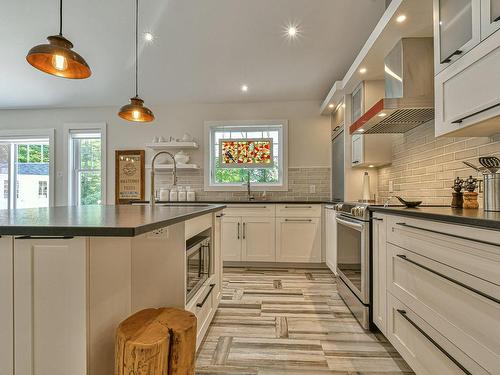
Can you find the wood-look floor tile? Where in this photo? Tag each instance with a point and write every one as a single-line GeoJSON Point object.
{"type": "Point", "coordinates": [290, 322]}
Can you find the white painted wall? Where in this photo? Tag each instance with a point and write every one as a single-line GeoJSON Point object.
{"type": "Point", "coordinates": [309, 133]}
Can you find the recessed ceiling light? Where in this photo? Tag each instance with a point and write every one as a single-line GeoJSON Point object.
{"type": "Point", "coordinates": [362, 70]}
{"type": "Point", "coordinates": [382, 114]}
{"type": "Point", "coordinates": [401, 18]}
{"type": "Point", "coordinates": [330, 105]}
{"type": "Point", "coordinates": [244, 88]}
{"type": "Point", "coordinates": [291, 30]}
{"type": "Point", "coordinates": [361, 130]}
{"type": "Point", "coordinates": [371, 166]}
{"type": "Point", "coordinates": [148, 37]}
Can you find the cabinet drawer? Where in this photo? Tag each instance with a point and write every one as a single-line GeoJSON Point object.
{"type": "Point", "coordinates": [298, 210]}
{"type": "Point", "coordinates": [198, 225]}
{"type": "Point", "coordinates": [454, 303]}
{"type": "Point", "coordinates": [423, 348]}
{"type": "Point", "coordinates": [250, 209]}
{"type": "Point", "coordinates": [467, 92]}
{"type": "Point", "coordinates": [473, 251]}
{"type": "Point", "coordinates": [202, 307]}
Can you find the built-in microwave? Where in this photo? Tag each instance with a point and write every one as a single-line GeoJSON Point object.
{"type": "Point", "coordinates": [198, 263]}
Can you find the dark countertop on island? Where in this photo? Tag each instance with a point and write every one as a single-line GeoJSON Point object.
{"type": "Point", "coordinates": [475, 218]}
{"type": "Point", "coordinates": [97, 221]}
{"type": "Point", "coordinates": [257, 201]}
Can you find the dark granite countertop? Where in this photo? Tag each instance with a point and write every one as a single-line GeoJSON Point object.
{"type": "Point", "coordinates": [242, 202]}
{"type": "Point", "coordinates": [94, 221]}
{"type": "Point", "coordinates": [476, 218]}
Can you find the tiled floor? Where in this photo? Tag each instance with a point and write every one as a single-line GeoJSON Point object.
{"type": "Point", "coordinates": [278, 322]}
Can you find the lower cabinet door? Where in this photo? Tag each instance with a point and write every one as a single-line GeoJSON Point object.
{"type": "Point", "coordinates": [379, 250]}
{"type": "Point", "coordinates": [6, 307]}
{"type": "Point", "coordinates": [298, 240]}
{"type": "Point", "coordinates": [258, 239]}
{"type": "Point", "coordinates": [331, 239]}
{"type": "Point", "coordinates": [231, 233]}
{"type": "Point", "coordinates": [50, 329]}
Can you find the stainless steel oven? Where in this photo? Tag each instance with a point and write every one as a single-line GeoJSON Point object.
{"type": "Point", "coordinates": [353, 259]}
{"type": "Point", "coordinates": [198, 263]}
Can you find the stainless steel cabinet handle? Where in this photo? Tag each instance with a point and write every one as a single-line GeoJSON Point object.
{"type": "Point", "coordinates": [244, 230]}
{"type": "Point", "coordinates": [238, 235]}
{"type": "Point", "coordinates": [459, 121]}
{"type": "Point", "coordinates": [220, 215]}
{"type": "Point", "coordinates": [250, 205]}
{"type": "Point", "coordinates": [404, 257]}
{"type": "Point", "coordinates": [300, 220]}
{"type": "Point", "coordinates": [377, 218]}
{"type": "Point", "coordinates": [298, 206]}
{"type": "Point", "coordinates": [44, 238]}
{"type": "Point", "coordinates": [448, 59]}
{"type": "Point", "coordinates": [448, 234]}
{"type": "Point", "coordinates": [433, 342]}
{"type": "Point", "coordinates": [200, 304]}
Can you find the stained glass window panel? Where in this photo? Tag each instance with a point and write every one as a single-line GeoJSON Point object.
{"type": "Point", "coordinates": [246, 153]}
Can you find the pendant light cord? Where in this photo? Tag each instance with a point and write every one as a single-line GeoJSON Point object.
{"type": "Point", "coordinates": [60, 17]}
{"type": "Point", "coordinates": [136, 44]}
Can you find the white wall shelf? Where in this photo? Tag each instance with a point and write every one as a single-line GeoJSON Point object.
{"type": "Point", "coordinates": [172, 145]}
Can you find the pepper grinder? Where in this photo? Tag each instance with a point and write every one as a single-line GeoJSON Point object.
{"type": "Point", "coordinates": [470, 196]}
{"type": "Point", "coordinates": [458, 198]}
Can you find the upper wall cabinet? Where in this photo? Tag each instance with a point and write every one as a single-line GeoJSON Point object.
{"type": "Point", "coordinates": [490, 17]}
{"type": "Point", "coordinates": [456, 30]}
{"type": "Point", "coordinates": [467, 92]}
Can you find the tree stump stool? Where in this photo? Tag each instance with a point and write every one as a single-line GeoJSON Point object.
{"type": "Point", "coordinates": [156, 342]}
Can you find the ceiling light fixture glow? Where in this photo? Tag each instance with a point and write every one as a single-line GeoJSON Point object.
{"type": "Point", "coordinates": [362, 70]}
{"type": "Point", "coordinates": [401, 18]}
{"type": "Point", "coordinates": [291, 30]}
{"type": "Point", "coordinates": [244, 88]}
{"type": "Point", "coordinates": [57, 58]}
{"type": "Point", "coordinates": [135, 110]}
{"type": "Point", "coordinates": [361, 130]}
{"type": "Point", "coordinates": [148, 37]}
{"type": "Point", "coordinates": [331, 105]}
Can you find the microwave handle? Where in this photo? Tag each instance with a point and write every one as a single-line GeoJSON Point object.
{"type": "Point", "coordinates": [358, 227]}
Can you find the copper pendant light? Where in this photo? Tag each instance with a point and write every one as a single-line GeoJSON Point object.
{"type": "Point", "coordinates": [136, 111]}
{"type": "Point", "coordinates": [57, 58]}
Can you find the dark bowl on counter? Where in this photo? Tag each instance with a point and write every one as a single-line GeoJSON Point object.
{"type": "Point", "coordinates": [409, 204]}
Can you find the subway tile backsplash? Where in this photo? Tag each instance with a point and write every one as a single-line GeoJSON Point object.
{"type": "Point", "coordinates": [424, 167]}
{"type": "Point", "coordinates": [299, 182]}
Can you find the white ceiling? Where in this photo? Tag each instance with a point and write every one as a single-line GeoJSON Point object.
{"type": "Point", "coordinates": [203, 51]}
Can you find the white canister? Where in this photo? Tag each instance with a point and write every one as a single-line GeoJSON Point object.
{"type": "Point", "coordinates": [164, 195]}
{"type": "Point", "coordinates": [191, 195]}
{"type": "Point", "coordinates": [182, 195]}
{"type": "Point", "coordinates": [173, 195]}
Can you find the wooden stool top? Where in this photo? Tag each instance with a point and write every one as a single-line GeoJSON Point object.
{"type": "Point", "coordinates": [156, 342]}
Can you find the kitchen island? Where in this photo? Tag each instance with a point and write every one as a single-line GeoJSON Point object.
{"type": "Point", "coordinates": [69, 275]}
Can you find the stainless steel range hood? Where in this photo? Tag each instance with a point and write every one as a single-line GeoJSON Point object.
{"type": "Point", "coordinates": [409, 90]}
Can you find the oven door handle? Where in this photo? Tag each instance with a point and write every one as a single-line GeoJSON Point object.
{"type": "Point", "coordinates": [350, 224]}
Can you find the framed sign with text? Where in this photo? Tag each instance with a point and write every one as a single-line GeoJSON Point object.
{"type": "Point", "coordinates": [129, 176]}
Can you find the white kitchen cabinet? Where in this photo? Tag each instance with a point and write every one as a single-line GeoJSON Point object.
{"type": "Point", "coordinates": [298, 240]}
{"type": "Point", "coordinates": [231, 238]}
{"type": "Point", "coordinates": [371, 150]}
{"type": "Point", "coordinates": [379, 247]}
{"type": "Point", "coordinates": [490, 17]}
{"type": "Point", "coordinates": [50, 315]}
{"type": "Point", "coordinates": [457, 29]}
{"type": "Point", "coordinates": [467, 94]}
{"type": "Point", "coordinates": [258, 239]}
{"type": "Point", "coordinates": [248, 238]}
{"type": "Point", "coordinates": [331, 239]}
{"type": "Point", "coordinates": [6, 306]}
{"type": "Point", "coordinates": [358, 102]}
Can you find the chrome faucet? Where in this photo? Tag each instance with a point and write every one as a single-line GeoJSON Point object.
{"type": "Point", "coordinates": [152, 197]}
{"type": "Point", "coordinates": [249, 193]}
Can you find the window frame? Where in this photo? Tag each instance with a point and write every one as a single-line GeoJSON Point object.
{"type": "Point", "coordinates": [30, 134]}
{"type": "Point", "coordinates": [211, 126]}
{"type": "Point", "coordinates": [83, 128]}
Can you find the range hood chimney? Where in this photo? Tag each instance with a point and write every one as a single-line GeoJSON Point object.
{"type": "Point", "coordinates": [409, 90]}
